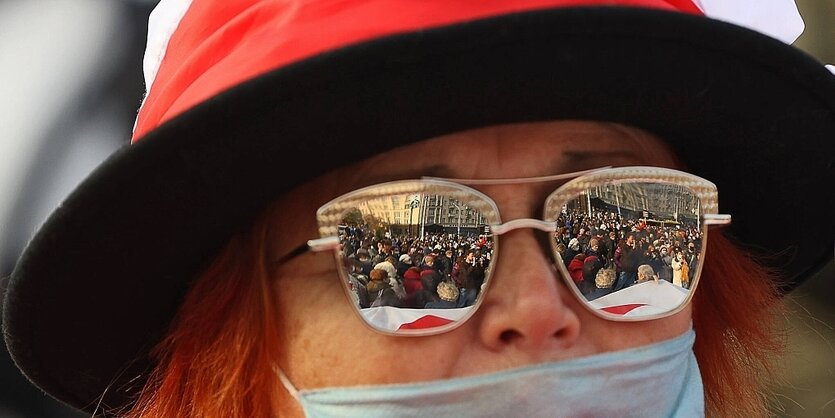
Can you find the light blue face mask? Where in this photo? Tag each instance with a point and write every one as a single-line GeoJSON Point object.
{"type": "Point", "coordinates": [658, 380]}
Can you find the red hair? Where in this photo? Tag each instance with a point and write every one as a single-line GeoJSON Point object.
{"type": "Point", "coordinates": [737, 312]}
{"type": "Point", "coordinates": [217, 358]}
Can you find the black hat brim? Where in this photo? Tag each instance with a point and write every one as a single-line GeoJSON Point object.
{"type": "Point", "coordinates": [97, 286]}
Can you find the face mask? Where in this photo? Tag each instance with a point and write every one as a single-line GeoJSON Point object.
{"type": "Point", "coordinates": [658, 380]}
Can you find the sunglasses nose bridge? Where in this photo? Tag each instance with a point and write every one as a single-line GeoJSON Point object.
{"type": "Point", "coordinates": [523, 223]}
{"type": "Point", "coordinates": [532, 223]}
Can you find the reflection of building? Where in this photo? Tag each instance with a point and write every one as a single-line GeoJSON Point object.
{"type": "Point", "coordinates": [451, 215]}
{"type": "Point", "coordinates": [437, 213]}
{"type": "Point", "coordinates": [640, 200]}
{"type": "Point", "coordinates": [396, 210]}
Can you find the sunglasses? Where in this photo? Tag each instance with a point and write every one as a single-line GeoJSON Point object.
{"type": "Point", "coordinates": [607, 228]}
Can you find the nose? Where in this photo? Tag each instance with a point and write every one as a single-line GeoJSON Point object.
{"type": "Point", "coordinates": [527, 307]}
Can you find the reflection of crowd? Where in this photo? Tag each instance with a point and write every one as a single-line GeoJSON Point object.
{"type": "Point", "coordinates": [603, 253]}
{"type": "Point", "coordinates": [438, 270]}
{"type": "Point", "coordinates": [605, 246]}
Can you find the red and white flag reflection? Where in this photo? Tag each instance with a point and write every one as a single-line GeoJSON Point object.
{"type": "Point", "coordinates": [648, 298]}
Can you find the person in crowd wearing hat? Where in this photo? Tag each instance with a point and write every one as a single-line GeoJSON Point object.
{"type": "Point", "coordinates": [575, 268]}
{"type": "Point", "coordinates": [196, 273]}
{"type": "Point", "coordinates": [363, 256]}
{"type": "Point", "coordinates": [591, 265]}
{"type": "Point", "coordinates": [602, 283]}
{"type": "Point", "coordinates": [412, 281]}
{"type": "Point", "coordinates": [448, 296]}
{"type": "Point", "coordinates": [404, 262]}
{"type": "Point", "coordinates": [571, 250]}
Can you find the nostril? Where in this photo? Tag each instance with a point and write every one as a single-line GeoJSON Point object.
{"type": "Point", "coordinates": [509, 335]}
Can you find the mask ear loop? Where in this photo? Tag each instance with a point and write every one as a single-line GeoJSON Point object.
{"type": "Point", "coordinates": [285, 381]}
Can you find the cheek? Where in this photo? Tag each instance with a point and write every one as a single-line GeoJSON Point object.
{"type": "Point", "coordinates": [324, 343]}
{"type": "Point", "coordinates": [313, 315]}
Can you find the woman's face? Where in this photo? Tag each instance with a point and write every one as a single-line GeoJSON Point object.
{"type": "Point", "coordinates": [528, 315]}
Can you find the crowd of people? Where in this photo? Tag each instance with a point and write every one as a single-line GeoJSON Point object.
{"type": "Point", "coordinates": [635, 250]}
{"type": "Point", "coordinates": [603, 252]}
{"type": "Point", "coordinates": [438, 270]}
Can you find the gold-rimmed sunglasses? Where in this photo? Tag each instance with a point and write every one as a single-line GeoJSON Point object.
{"type": "Point", "coordinates": [628, 243]}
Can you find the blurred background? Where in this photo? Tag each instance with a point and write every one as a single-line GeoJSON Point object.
{"type": "Point", "coordinates": [72, 82]}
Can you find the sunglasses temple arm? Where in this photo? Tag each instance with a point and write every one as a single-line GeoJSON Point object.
{"type": "Point", "coordinates": [717, 219]}
{"type": "Point", "coordinates": [315, 245]}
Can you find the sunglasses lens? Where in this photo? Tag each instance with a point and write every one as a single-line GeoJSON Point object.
{"type": "Point", "coordinates": [631, 250]}
{"type": "Point", "coordinates": [415, 254]}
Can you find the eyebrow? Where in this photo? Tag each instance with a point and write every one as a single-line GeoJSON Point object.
{"type": "Point", "coordinates": [436, 170]}
{"type": "Point", "coordinates": [576, 160]}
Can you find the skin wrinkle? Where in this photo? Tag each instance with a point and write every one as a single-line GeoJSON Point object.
{"type": "Point", "coordinates": [339, 350]}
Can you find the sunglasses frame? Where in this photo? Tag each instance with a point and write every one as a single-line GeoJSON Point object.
{"type": "Point", "coordinates": [331, 213]}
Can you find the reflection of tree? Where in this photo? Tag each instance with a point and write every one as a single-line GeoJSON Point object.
{"type": "Point", "coordinates": [368, 222]}
{"type": "Point", "coordinates": [376, 224]}
{"type": "Point", "coordinates": [353, 218]}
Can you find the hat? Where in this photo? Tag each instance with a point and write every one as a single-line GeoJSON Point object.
{"type": "Point", "coordinates": [604, 278]}
{"type": "Point", "coordinates": [448, 291]}
{"type": "Point", "coordinates": [97, 286]}
{"type": "Point", "coordinates": [591, 264]}
{"type": "Point", "coordinates": [387, 267]}
{"type": "Point", "coordinates": [412, 273]}
{"type": "Point", "coordinates": [405, 258]}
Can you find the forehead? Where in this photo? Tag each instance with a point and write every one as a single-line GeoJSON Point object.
{"type": "Point", "coordinates": [506, 151]}
{"type": "Point", "coordinates": [516, 150]}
